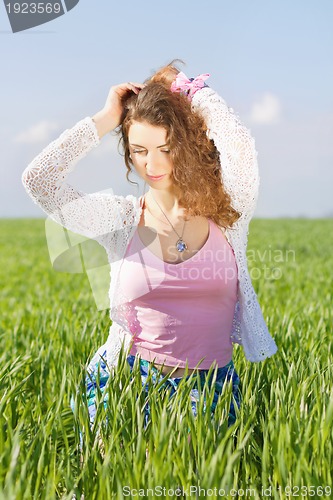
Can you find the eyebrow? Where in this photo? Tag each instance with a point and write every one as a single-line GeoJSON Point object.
{"type": "Point", "coordinates": [138, 146]}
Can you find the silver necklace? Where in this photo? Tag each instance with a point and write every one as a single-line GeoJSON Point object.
{"type": "Point", "coordinates": [180, 245]}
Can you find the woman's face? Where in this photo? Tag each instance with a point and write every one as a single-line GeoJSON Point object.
{"type": "Point", "coordinates": [150, 154]}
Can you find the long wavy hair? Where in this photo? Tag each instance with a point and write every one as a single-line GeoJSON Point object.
{"type": "Point", "coordinates": [196, 170]}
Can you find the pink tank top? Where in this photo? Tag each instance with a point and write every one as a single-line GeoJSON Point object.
{"type": "Point", "coordinates": [181, 312]}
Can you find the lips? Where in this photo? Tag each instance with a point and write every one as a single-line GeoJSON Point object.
{"type": "Point", "coordinates": [155, 178]}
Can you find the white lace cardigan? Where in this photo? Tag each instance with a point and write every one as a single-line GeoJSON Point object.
{"type": "Point", "coordinates": [111, 219]}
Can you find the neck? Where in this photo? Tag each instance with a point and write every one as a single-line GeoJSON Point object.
{"type": "Point", "coordinates": [165, 200]}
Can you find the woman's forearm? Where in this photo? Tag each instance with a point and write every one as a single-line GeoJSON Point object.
{"type": "Point", "coordinates": [238, 156]}
{"type": "Point", "coordinates": [45, 180]}
{"type": "Point", "coordinates": [104, 122]}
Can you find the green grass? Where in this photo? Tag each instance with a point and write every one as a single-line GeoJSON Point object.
{"type": "Point", "coordinates": [50, 326]}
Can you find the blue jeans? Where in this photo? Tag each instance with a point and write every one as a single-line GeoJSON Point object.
{"type": "Point", "coordinates": [226, 372]}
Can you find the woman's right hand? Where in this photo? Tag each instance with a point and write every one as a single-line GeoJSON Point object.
{"type": "Point", "coordinates": [112, 114]}
{"type": "Point", "coordinates": [117, 97]}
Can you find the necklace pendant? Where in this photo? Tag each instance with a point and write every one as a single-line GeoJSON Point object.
{"type": "Point", "coordinates": [181, 245]}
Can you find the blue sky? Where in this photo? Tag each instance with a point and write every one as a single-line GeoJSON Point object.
{"type": "Point", "coordinates": [271, 61]}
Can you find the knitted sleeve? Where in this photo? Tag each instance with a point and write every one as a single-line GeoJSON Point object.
{"type": "Point", "coordinates": [236, 146]}
{"type": "Point", "coordinates": [44, 179]}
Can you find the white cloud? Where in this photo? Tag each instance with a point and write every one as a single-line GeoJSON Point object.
{"type": "Point", "coordinates": [266, 110]}
{"type": "Point", "coordinates": [37, 133]}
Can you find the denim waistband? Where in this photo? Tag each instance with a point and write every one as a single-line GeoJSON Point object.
{"type": "Point", "coordinates": [202, 371]}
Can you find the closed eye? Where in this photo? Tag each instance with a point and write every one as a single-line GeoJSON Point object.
{"type": "Point", "coordinates": [142, 151]}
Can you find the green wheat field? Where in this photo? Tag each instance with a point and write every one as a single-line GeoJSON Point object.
{"type": "Point", "coordinates": [281, 444]}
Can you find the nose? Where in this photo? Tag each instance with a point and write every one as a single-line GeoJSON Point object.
{"type": "Point", "coordinates": [153, 165]}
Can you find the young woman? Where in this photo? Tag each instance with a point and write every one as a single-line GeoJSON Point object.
{"type": "Point", "coordinates": [180, 291]}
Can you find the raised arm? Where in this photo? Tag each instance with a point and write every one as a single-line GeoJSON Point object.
{"type": "Point", "coordinates": [44, 179]}
{"type": "Point", "coordinates": [238, 156]}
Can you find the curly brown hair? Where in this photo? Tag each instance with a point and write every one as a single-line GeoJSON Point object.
{"type": "Point", "coordinates": [196, 170]}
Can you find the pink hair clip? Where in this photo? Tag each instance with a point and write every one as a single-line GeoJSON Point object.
{"type": "Point", "coordinates": [189, 86]}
